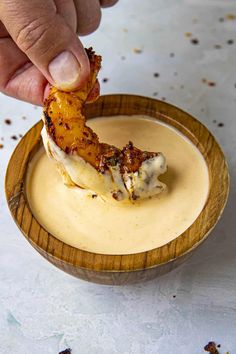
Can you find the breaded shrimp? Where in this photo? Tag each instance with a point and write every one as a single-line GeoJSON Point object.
{"type": "Point", "coordinates": [83, 161]}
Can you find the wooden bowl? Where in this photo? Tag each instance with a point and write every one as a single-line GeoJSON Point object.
{"type": "Point", "coordinates": [121, 269]}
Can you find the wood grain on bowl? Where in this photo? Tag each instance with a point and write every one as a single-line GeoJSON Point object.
{"type": "Point", "coordinates": [121, 269]}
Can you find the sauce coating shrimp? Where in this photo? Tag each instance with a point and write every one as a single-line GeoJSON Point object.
{"type": "Point", "coordinates": [127, 173]}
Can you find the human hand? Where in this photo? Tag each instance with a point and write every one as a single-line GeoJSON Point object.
{"type": "Point", "coordinates": [39, 45]}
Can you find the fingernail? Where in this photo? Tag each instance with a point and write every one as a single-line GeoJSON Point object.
{"type": "Point", "coordinates": [64, 70]}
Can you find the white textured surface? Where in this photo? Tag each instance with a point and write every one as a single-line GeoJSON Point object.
{"type": "Point", "coordinates": [43, 310]}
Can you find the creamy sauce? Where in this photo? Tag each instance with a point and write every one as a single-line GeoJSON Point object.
{"type": "Point", "coordinates": [93, 224]}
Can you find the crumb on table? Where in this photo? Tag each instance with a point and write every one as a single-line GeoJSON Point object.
{"type": "Point", "coordinates": [194, 41]}
{"type": "Point", "coordinates": [66, 351]}
{"type": "Point", "coordinates": [137, 50]}
{"type": "Point", "coordinates": [8, 121]}
{"type": "Point", "coordinates": [211, 348]}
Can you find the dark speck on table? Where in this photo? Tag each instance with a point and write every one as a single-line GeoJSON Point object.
{"type": "Point", "coordinates": [194, 41]}
{"type": "Point", "coordinates": [211, 348]}
{"type": "Point", "coordinates": [66, 351]}
{"type": "Point", "coordinates": [138, 50]}
{"type": "Point", "coordinates": [8, 121]}
{"type": "Point", "coordinates": [230, 41]}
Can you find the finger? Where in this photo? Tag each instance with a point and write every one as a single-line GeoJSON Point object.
{"type": "Point", "coordinates": [68, 11]}
{"type": "Point", "coordinates": [88, 16]}
{"type": "Point", "coordinates": [11, 60]}
{"type": "Point", "coordinates": [44, 36]}
{"type": "Point", "coordinates": [29, 85]}
{"type": "Point", "coordinates": [19, 78]}
{"type": "Point", "coordinates": [108, 3]}
{"type": "Point", "coordinates": [3, 31]}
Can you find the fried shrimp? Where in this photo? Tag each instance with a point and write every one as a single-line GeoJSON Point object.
{"type": "Point", "coordinates": [83, 161]}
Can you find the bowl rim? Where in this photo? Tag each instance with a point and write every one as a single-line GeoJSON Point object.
{"type": "Point", "coordinates": [48, 245]}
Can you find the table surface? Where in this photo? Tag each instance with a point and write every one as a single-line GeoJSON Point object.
{"type": "Point", "coordinates": [43, 310]}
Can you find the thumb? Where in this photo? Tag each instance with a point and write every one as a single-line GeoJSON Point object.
{"type": "Point", "coordinates": [44, 36]}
